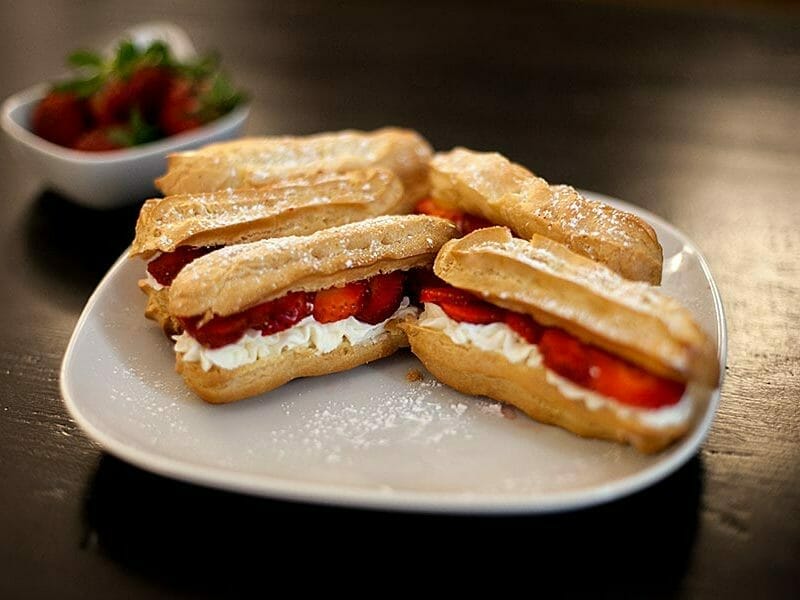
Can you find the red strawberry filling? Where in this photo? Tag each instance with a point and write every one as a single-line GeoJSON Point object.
{"type": "Point", "coordinates": [384, 294]}
{"type": "Point", "coordinates": [165, 267]}
{"type": "Point", "coordinates": [465, 222]}
{"type": "Point", "coordinates": [585, 365]}
{"type": "Point", "coordinates": [370, 300]}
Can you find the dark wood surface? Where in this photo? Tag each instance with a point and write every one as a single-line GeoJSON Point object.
{"type": "Point", "coordinates": [692, 114]}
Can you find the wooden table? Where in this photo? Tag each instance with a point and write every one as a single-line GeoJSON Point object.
{"type": "Point", "coordinates": [694, 115]}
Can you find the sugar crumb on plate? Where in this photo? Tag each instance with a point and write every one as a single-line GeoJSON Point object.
{"type": "Point", "coordinates": [414, 375]}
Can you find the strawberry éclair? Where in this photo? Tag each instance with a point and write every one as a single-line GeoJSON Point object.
{"type": "Point", "coordinates": [585, 365]}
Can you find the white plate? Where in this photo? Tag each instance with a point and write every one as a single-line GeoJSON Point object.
{"type": "Point", "coordinates": [367, 437]}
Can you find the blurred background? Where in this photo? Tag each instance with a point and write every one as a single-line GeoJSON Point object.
{"type": "Point", "coordinates": [663, 78]}
{"type": "Point", "coordinates": [691, 97]}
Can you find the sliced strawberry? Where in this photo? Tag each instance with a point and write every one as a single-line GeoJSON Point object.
{"type": "Point", "coordinates": [468, 223]}
{"type": "Point", "coordinates": [384, 296]}
{"type": "Point", "coordinates": [448, 294]}
{"type": "Point", "coordinates": [423, 278]}
{"type": "Point", "coordinates": [337, 303]}
{"type": "Point", "coordinates": [477, 312]}
{"type": "Point", "coordinates": [615, 377]}
{"type": "Point", "coordinates": [428, 206]}
{"type": "Point", "coordinates": [219, 331]}
{"type": "Point", "coordinates": [565, 355]}
{"type": "Point", "coordinates": [417, 279]}
{"type": "Point", "coordinates": [282, 313]}
{"type": "Point", "coordinates": [60, 117]}
{"type": "Point", "coordinates": [462, 305]}
{"type": "Point", "coordinates": [96, 140]}
{"type": "Point", "coordinates": [166, 267]}
{"type": "Point", "coordinates": [525, 326]}
{"type": "Point", "coordinates": [465, 222]}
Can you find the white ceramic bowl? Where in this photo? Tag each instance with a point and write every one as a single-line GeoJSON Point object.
{"type": "Point", "coordinates": [104, 179]}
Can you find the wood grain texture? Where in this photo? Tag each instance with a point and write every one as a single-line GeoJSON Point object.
{"type": "Point", "coordinates": [691, 114]}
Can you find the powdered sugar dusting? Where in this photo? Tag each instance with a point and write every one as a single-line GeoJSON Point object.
{"type": "Point", "coordinates": [412, 413]}
{"type": "Point", "coordinates": [167, 222]}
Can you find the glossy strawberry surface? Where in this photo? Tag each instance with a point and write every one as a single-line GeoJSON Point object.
{"type": "Point", "coordinates": [336, 303]}
{"type": "Point", "coordinates": [384, 295]}
{"type": "Point", "coordinates": [465, 222]}
{"type": "Point", "coordinates": [166, 266]}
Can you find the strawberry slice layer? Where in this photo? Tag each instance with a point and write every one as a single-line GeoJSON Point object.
{"type": "Point", "coordinates": [609, 375]}
{"type": "Point", "coordinates": [337, 303]}
{"type": "Point", "coordinates": [268, 317]}
{"type": "Point", "coordinates": [166, 267]}
{"type": "Point", "coordinates": [461, 305]}
{"type": "Point", "coordinates": [465, 222]}
{"type": "Point", "coordinates": [587, 366]}
{"type": "Point", "coordinates": [447, 294]}
{"type": "Point", "coordinates": [371, 301]}
{"type": "Point", "coordinates": [481, 313]}
{"type": "Point", "coordinates": [280, 314]}
{"type": "Point", "coordinates": [219, 331]}
{"type": "Point", "coordinates": [419, 279]}
{"type": "Point", "coordinates": [384, 295]}
{"type": "Point", "coordinates": [428, 206]}
{"type": "Point", "coordinates": [524, 326]}
{"type": "Point", "coordinates": [631, 385]}
{"type": "Point", "coordinates": [566, 355]}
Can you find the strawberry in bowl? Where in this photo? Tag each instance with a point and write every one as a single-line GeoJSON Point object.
{"type": "Point", "coordinates": [101, 136]}
{"type": "Point", "coordinates": [136, 96]}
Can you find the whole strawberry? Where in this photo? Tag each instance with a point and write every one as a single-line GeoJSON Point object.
{"type": "Point", "coordinates": [181, 108]}
{"type": "Point", "coordinates": [137, 96]}
{"type": "Point", "coordinates": [97, 140]}
{"type": "Point", "coordinates": [60, 117]}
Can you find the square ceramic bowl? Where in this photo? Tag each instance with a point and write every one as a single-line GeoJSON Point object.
{"type": "Point", "coordinates": [104, 179]}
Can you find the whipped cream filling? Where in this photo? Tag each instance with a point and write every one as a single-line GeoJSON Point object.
{"type": "Point", "coordinates": [308, 333]}
{"type": "Point", "coordinates": [500, 338]}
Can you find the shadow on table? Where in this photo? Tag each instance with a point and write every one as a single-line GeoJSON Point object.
{"type": "Point", "coordinates": [68, 248]}
{"type": "Point", "coordinates": [190, 538]}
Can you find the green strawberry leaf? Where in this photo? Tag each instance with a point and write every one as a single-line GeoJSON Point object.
{"type": "Point", "coordinates": [81, 87]}
{"type": "Point", "coordinates": [92, 72]}
{"type": "Point", "coordinates": [125, 59]}
{"type": "Point", "coordinates": [120, 136]}
{"type": "Point", "coordinates": [142, 131]}
{"type": "Point", "coordinates": [200, 68]}
{"type": "Point", "coordinates": [220, 98]}
{"type": "Point", "coordinates": [157, 55]}
{"type": "Point", "coordinates": [136, 131]}
{"type": "Point", "coordinates": [85, 58]}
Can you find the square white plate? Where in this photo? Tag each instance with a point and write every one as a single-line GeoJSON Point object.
{"type": "Point", "coordinates": [367, 437]}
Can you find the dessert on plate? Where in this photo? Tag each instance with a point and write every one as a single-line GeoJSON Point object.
{"type": "Point", "coordinates": [565, 339]}
{"type": "Point", "coordinates": [480, 189]}
{"type": "Point", "coordinates": [257, 315]}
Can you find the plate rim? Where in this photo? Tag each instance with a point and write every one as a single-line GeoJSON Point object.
{"type": "Point", "coordinates": [351, 496]}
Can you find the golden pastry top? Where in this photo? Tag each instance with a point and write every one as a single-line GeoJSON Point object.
{"type": "Point", "coordinates": [235, 278]}
{"type": "Point", "coordinates": [489, 185]}
{"type": "Point", "coordinates": [251, 162]}
{"type": "Point", "coordinates": [560, 288]}
{"type": "Point", "coordinates": [296, 205]}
